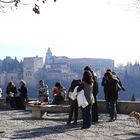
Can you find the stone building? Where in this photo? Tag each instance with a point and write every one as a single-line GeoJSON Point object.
{"type": "Point", "coordinates": [30, 66]}
{"type": "Point", "coordinates": [2, 79]}
{"type": "Point", "coordinates": [77, 65]}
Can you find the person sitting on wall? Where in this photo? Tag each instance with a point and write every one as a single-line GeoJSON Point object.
{"type": "Point", "coordinates": [58, 92]}
{"type": "Point", "coordinates": [23, 96]}
{"type": "Point", "coordinates": [11, 92]}
{"type": "Point", "coordinates": [42, 92]}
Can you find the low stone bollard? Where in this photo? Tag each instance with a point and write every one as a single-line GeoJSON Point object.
{"type": "Point", "coordinates": [3, 104]}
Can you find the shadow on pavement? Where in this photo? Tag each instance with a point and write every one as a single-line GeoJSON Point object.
{"type": "Point", "coordinates": [39, 132]}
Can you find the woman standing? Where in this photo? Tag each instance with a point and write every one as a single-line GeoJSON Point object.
{"type": "Point", "coordinates": [73, 101]}
{"type": "Point", "coordinates": [87, 86]}
{"type": "Point", "coordinates": [95, 92]}
{"type": "Point", "coordinates": [111, 95]}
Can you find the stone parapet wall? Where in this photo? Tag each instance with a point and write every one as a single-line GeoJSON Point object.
{"type": "Point", "coordinates": [124, 107]}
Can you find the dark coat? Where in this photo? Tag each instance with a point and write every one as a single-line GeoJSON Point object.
{"type": "Point", "coordinates": [12, 89]}
{"type": "Point", "coordinates": [111, 93]}
{"type": "Point", "coordinates": [23, 93]}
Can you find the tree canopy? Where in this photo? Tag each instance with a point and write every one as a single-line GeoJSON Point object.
{"type": "Point", "coordinates": [9, 4]}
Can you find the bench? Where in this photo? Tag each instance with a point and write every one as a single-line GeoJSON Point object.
{"type": "Point", "coordinates": [39, 110]}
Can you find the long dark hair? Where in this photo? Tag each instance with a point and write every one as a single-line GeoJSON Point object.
{"type": "Point", "coordinates": [93, 75]}
{"type": "Point", "coordinates": [74, 83]}
{"type": "Point", "coordinates": [58, 84]}
{"type": "Point", "coordinates": [87, 77]}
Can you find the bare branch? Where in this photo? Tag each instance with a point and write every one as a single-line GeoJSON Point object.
{"type": "Point", "coordinates": [5, 4]}
{"type": "Point", "coordinates": [7, 1]}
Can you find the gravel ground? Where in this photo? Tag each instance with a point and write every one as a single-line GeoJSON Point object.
{"type": "Point", "coordinates": [17, 124]}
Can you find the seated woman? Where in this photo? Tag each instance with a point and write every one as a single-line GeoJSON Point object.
{"type": "Point", "coordinates": [11, 92]}
{"type": "Point", "coordinates": [42, 92]}
{"type": "Point", "coordinates": [23, 95]}
{"type": "Point", "coordinates": [58, 92]}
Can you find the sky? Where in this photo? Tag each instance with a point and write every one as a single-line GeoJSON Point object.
{"type": "Point", "coordinates": [73, 28]}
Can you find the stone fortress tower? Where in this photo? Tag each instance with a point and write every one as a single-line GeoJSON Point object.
{"type": "Point", "coordinates": [49, 56]}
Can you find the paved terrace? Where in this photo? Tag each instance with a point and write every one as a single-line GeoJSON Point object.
{"type": "Point", "coordinates": [18, 124]}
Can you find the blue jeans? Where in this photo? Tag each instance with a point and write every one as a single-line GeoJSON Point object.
{"type": "Point", "coordinates": [86, 113]}
{"type": "Point", "coordinates": [111, 109]}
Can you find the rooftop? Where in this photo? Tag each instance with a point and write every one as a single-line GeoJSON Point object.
{"type": "Point", "coordinates": [18, 124]}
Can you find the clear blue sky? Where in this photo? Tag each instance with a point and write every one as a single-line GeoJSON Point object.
{"type": "Point", "coordinates": [73, 28]}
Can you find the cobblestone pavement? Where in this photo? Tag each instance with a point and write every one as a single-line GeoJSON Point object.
{"type": "Point", "coordinates": [18, 124]}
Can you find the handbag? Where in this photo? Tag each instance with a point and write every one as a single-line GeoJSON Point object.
{"type": "Point", "coordinates": [81, 99]}
{"type": "Point", "coordinates": [72, 95]}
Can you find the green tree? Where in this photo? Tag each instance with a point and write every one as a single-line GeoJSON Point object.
{"type": "Point", "coordinates": [133, 98]}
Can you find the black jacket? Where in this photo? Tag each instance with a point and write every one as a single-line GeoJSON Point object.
{"type": "Point", "coordinates": [111, 93]}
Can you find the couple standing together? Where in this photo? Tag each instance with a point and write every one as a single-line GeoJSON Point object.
{"type": "Point", "coordinates": [89, 85]}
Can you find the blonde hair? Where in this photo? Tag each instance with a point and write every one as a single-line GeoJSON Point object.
{"type": "Point", "coordinates": [22, 82]}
